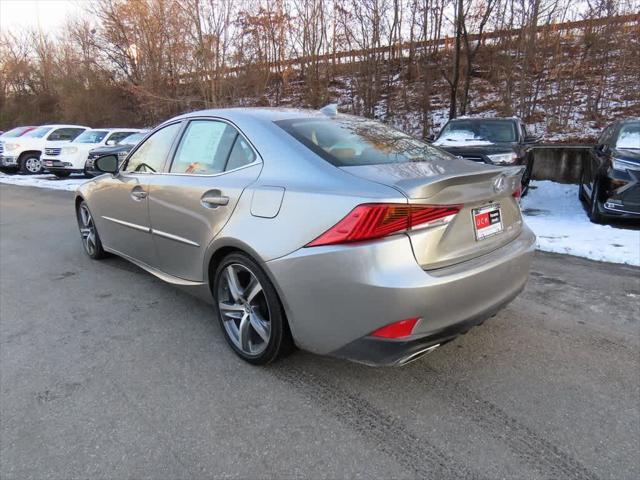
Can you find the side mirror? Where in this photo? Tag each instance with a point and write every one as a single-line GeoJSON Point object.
{"type": "Point", "coordinates": [111, 143]}
{"type": "Point", "coordinates": [106, 164]}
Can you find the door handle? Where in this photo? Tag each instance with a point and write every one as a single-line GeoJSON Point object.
{"type": "Point", "coordinates": [138, 194]}
{"type": "Point", "coordinates": [213, 201]}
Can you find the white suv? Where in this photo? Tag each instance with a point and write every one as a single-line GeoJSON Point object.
{"type": "Point", "coordinates": [24, 152]}
{"type": "Point", "coordinates": [71, 158]}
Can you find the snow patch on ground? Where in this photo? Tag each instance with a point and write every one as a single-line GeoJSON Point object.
{"type": "Point", "coordinates": [555, 214]}
{"type": "Point", "coordinates": [44, 181]}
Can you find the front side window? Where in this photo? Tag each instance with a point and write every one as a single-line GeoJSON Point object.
{"type": "Point", "coordinates": [352, 141]}
{"type": "Point", "coordinates": [91, 136]}
{"type": "Point", "coordinates": [204, 148]}
{"type": "Point", "coordinates": [38, 132]}
{"type": "Point", "coordinates": [629, 137]}
{"type": "Point", "coordinates": [152, 153]}
{"type": "Point", "coordinates": [65, 134]}
{"type": "Point", "coordinates": [117, 136]}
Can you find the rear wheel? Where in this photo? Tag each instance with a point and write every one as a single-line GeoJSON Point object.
{"type": "Point", "coordinates": [249, 311]}
{"type": "Point", "coordinates": [88, 232]}
{"type": "Point", "coordinates": [30, 164]}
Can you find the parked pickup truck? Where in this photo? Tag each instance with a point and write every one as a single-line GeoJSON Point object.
{"type": "Point", "coordinates": [497, 141]}
{"type": "Point", "coordinates": [24, 152]}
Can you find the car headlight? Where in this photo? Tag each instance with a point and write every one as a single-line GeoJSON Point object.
{"type": "Point", "coordinates": [622, 165]}
{"type": "Point", "coordinates": [68, 150]}
{"type": "Point", "coordinates": [10, 146]}
{"type": "Point", "coordinates": [503, 157]}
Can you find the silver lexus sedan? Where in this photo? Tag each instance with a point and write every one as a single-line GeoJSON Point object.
{"type": "Point", "coordinates": [334, 233]}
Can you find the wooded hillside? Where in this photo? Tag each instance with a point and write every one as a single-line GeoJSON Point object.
{"type": "Point", "coordinates": [414, 63]}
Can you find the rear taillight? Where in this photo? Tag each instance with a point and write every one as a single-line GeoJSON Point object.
{"type": "Point", "coordinates": [517, 193]}
{"type": "Point", "coordinates": [400, 329]}
{"type": "Point", "coordinates": [376, 220]}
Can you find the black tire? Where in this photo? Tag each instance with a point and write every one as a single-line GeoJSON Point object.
{"type": "Point", "coordinates": [62, 174]}
{"type": "Point", "coordinates": [96, 252]}
{"type": "Point", "coordinates": [582, 195]}
{"type": "Point", "coordinates": [526, 178]}
{"type": "Point", "coordinates": [280, 342]}
{"type": "Point", "coordinates": [594, 208]}
{"type": "Point", "coordinates": [27, 162]}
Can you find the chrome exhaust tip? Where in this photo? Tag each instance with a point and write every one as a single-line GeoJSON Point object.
{"type": "Point", "coordinates": [417, 355]}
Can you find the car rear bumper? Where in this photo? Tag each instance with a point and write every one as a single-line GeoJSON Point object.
{"type": "Point", "coordinates": [335, 296]}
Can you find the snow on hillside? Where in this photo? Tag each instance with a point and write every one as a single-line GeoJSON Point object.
{"type": "Point", "coordinates": [555, 214]}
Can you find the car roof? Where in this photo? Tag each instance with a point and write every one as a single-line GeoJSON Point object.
{"type": "Point", "coordinates": [271, 114]}
{"type": "Point", "coordinates": [64, 125]}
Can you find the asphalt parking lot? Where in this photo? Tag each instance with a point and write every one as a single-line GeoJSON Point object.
{"type": "Point", "coordinates": [106, 372]}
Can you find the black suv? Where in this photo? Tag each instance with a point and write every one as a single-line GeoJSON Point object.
{"type": "Point", "coordinates": [122, 149]}
{"type": "Point", "coordinates": [497, 141]}
{"type": "Point", "coordinates": [610, 182]}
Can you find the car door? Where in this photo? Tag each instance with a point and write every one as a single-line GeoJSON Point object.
{"type": "Point", "coordinates": [122, 200]}
{"type": "Point", "coordinates": [189, 204]}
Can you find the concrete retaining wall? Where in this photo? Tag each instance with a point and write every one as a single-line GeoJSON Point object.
{"type": "Point", "coordinates": [559, 163]}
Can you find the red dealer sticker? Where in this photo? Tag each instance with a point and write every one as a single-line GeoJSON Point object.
{"type": "Point", "coordinates": [487, 221]}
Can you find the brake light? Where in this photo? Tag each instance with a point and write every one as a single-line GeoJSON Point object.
{"type": "Point", "coordinates": [375, 220]}
{"type": "Point", "coordinates": [400, 329]}
{"type": "Point", "coordinates": [517, 193]}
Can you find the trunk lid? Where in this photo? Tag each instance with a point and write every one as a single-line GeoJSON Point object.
{"type": "Point", "coordinates": [475, 187]}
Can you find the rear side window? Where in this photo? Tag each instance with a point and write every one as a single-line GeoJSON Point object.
{"type": "Point", "coordinates": [350, 141]}
{"type": "Point", "coordinates": [65, 134]}
{"type": "Point", "coordinates": [151, 154]}
{"type": "Point", "coordinates": [209, 147]}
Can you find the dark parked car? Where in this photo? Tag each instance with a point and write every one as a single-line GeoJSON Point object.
{"type": "Point", "coordinates": [122, 149]}
{"type": "Point", "coordinates": [610, 184]}
{"type": "Point", "coordinates": [496, 141]}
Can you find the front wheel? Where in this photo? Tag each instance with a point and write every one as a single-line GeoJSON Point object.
{"type": "Point", "coordinates": [30, 165]}
{"type": "Point", "coordinates": [88, 232]}
{"type": "Point", "coordinates": [249, 311]}
{"type": "Point", "coordinates": [594, 208]}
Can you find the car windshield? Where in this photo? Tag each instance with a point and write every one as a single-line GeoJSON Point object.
{"type": "Point", "coordinates": [350, 141]}
{"type": "Point", "coordinates": [91, 136]}
{"type": "Point", "coordinates": [629, 137]}
{"type": "Point", "coordinates": [14, 132]}
{"type": "Point", "coordinates": [38, 132]}
{"type": "Point", "coordinates": [133, 139]}
{"type": "Point", "coordinates": [473, 130]}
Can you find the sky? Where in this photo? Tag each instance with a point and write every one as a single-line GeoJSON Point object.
{"type": "Point", "coordinates": [46, 14]}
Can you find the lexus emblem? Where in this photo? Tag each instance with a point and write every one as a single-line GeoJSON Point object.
{"type": "Point", "coordinates": [500, 184]}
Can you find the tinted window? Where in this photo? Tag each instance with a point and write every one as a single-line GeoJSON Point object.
{"type": "Point", "coordinates": [91, 136]}
{"type": "Point", "coordinates": [493, 131]}
{"type": "Point", "coordinates": [65, 134]}
{"type": "Point", "coordinates": [117, 136]}
{"type": "Point", "coordinates": [349, 141]}
{"type": "Point", "coordinates": [241, 154]}
{"type": "Point", "coordinates": [204, 148]}
{"type": "Point", "coordinates": [152, 153]}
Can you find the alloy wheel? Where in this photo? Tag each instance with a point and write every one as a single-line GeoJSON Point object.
{"type": "Point", "coordinates": [33, 165]}
{"type": "Point", "coordinates": [244, 309]}
{"type": "Point", "coordinates": [87, 230]}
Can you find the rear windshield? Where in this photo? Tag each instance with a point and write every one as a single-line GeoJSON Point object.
{"type": "Point", "coordinates": [629, 137]}
{"type": "Point", "coordinates": [492, 131]}
{"type": "Point", "coordinates": [351, 141]}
